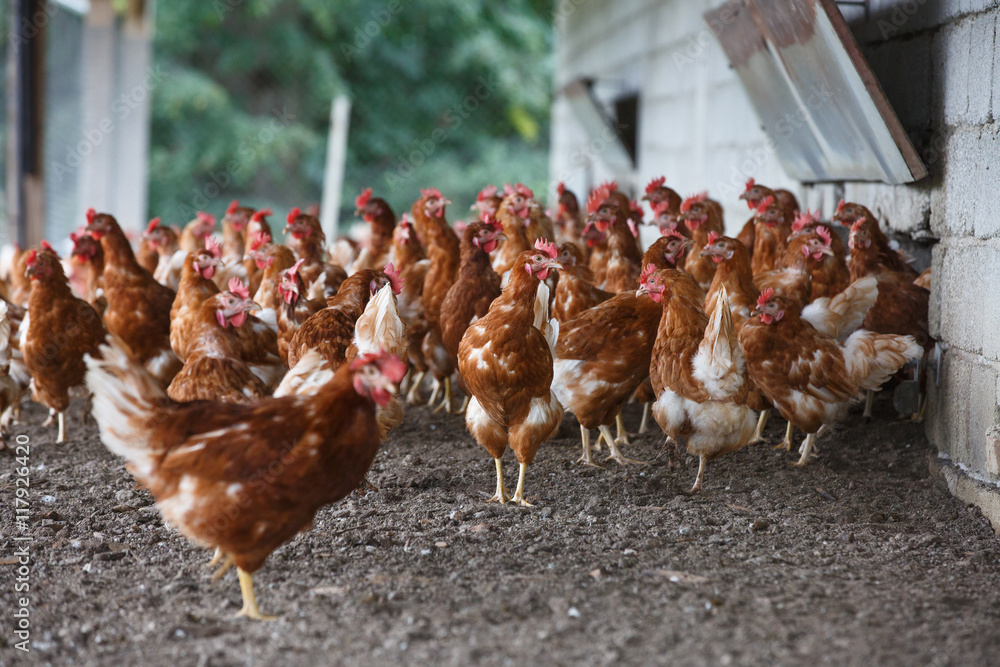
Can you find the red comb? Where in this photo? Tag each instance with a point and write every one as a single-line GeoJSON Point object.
{"type": "Point", "coordinates": [547, 247]}
{"type": "Point", "coordinates": [206, 217]}
{"type": "Point", "coordinates": [655, 183]}
{"type": "Point", "coordinates": [750, 184]}
{"type": "Point", "coordinates": [713, 237]}
{"type": "Point", "coordinates": [610, 186]}
{"type": "Point", "coordinates": [32, 258]}
{"type": "Point", "coordinates": [856, 227]}
{"type": "Point", "coordinates": [239, 288]}
{"type": "Point", "coordinates": [840, 205]}
{"type": "Point", "coordinates": [597, 197]}
{"type": "Point", "coordinates": [486, 193]}
{"type": "Point", "coordinates": [153, 224]}
{"type": "Point", "coordinates": [647, 271]}
{"type": "Point", "coordinates": [91, 214]}
{"type": "Point", "coordinates": [525, 190]}
{"type": "Point", "coordinates": [803, 220]}
{"type": "Point", "coordinates": [233, 205]}
{"type": "Point", "coordinates": [405, 220]}
{"type": "Point", "coordinates": [692, 200]}
{"type": "Point", "coordinates": [674, 233]}
{"type": "Point", "coordinates": [636, 207]}
{"type": "Point", "coordinates": [260, 237]}
{"type": "Point", "coordinates": [296, 212]}
{"type": "Point", "coordinates": [765, 296]}
{"type": "Point", "coordinates": [294, 270]}
{"type": "Point", "coordinates": [212, 246]}
{"type": "Point", "coordinates": [824, 234]}
{"type": "Point", "coordinates": [561, 189]}
{"type": "Point", "coordinates": [261, 214]}
{"type": "Point", "coordinates": [765, 204]}
{"type": "Point", "coordinates": [491, 220]}
{"type": "Point", "coordinates": [394, 279]}
{"type": "Point", "coordinates": [360, 200]}
{"type": "Point", "coordinates": [431, 193]}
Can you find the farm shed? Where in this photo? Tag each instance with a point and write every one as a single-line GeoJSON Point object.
{"type": "Point", "coordinates": [658, 71]}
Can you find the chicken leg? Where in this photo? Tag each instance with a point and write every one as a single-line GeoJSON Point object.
{"type": "Point", "coordinates": [702, 462]}
{"type": "Point", "coordinates": [807, 448]}
{"type": "Point", "coordinates": [501, 496]}
{"type": "Point", "coordinates": [446, 401]}
{"type": "Point", "coordinates": [623, 434]}
{"type": "Point", "coordinates": [613, 443]}
{"type": "Point", "coordinates": [519, 492]}
{"type": "Point", "coordinates": [413, 395]}
{"type": "Point", "coordinates": [869, 400]}
{"type": "Point", "coordinates": [434, 392]}
{"type": "Point", "coordinates": [758, 433]}
{"type": "Point", "coordinates": [786, 444]}
{"type": "Point", "coordinates": [250, 609]}
{"type": "Point", "coordinates": [227, 563]}
{"type": "Point", "coordinates": [465, 406]}
{"type": "Point", "coordinates": [61, 418]}
{"type": "Point", "coordinates": [585, 439]}
{"type": "Point", "coordinates": [644, 424]}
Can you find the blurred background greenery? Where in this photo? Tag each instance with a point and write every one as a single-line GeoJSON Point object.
{"type": "Point", "coordinates": [453, 94]}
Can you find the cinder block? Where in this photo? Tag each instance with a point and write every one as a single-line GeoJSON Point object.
{"type": "Point", "coordinates": [962, 410]}
{"type": "Point", "coordinates": [967, 307]}
{"type": "Point", "coordinates": [894, 19]}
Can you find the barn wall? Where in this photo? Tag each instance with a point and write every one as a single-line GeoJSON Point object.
{"type": "Point", "coordinates": [695, 124]}
{"type": "Point", "coordinates": [939, 65]}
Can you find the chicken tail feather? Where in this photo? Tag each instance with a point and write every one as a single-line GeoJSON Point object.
{"type": "Point", "coordinates": [126, 396]}
{"type": "Point", "coordinates": [840, 315]}
{"type": "Point", "coordinates": [719, 363]}
{"type": "Point", "coordinates": [871, 358]}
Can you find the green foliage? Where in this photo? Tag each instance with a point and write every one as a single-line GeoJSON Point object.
{"type": "Point", "coordinates": [449, 93]}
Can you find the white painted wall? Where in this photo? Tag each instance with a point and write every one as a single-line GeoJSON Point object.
{"type": "Point", "coordinates": [696, 125]}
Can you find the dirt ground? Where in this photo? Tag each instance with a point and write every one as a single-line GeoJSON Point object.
{"type": "Point", "coordinates": [861, 558]}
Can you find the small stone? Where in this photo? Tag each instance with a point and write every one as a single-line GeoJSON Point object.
{"type": "Point", "coordinates": [759, 525]}
{"type": "Point", "coordinates": [441, 545]}
{"type": "Point", "coordinates": [573, 612]}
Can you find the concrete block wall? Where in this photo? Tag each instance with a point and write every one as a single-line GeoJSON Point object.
{"type": "Point", "coordinates": [939, 65]}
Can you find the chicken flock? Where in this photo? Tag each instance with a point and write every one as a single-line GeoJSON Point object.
{"type": "Point", "coordinates": [247, 382]}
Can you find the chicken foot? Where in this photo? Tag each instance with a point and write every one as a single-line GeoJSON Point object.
{"type": "Point", "coordinates": [501, 496]}
{"type": "Point", "coordinates": [613, 443]}
{"type": "Point", "coordinates": [413, 395]}
{"type": "Point", "coordinates": [702, 463]}
{"type": "Point", "coordinates": [519, 492]}
{"type": "Point", "coordinates": [786, 444]}
{"type": "Point", "coordinates": [623, 434]}
{"type": "Point", "coordinates": [434, 392]}
{"type": "Point", "coordinates": [758, 433]}
{"type": "Point", "coordinates": [806, 449]}
{"type": "Point", "coordinates": [250, 609]}
{"type": "Point", "coordinates": [446, 401]}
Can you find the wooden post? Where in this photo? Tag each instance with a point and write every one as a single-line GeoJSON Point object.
{"type": "Point", "coordinates": [336, 157]}
{"type": "Point", "coordinates": [26, 114]}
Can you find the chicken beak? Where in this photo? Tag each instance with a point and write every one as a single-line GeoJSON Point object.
{"type": "Point", "coordinates": [756, 311]}
{"type": "Point", "coordinates": [827, 250]}
{"type": "Point", "coordinates": [642, 290]}
{"type": "Point", "coordinates": [500, 236]}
